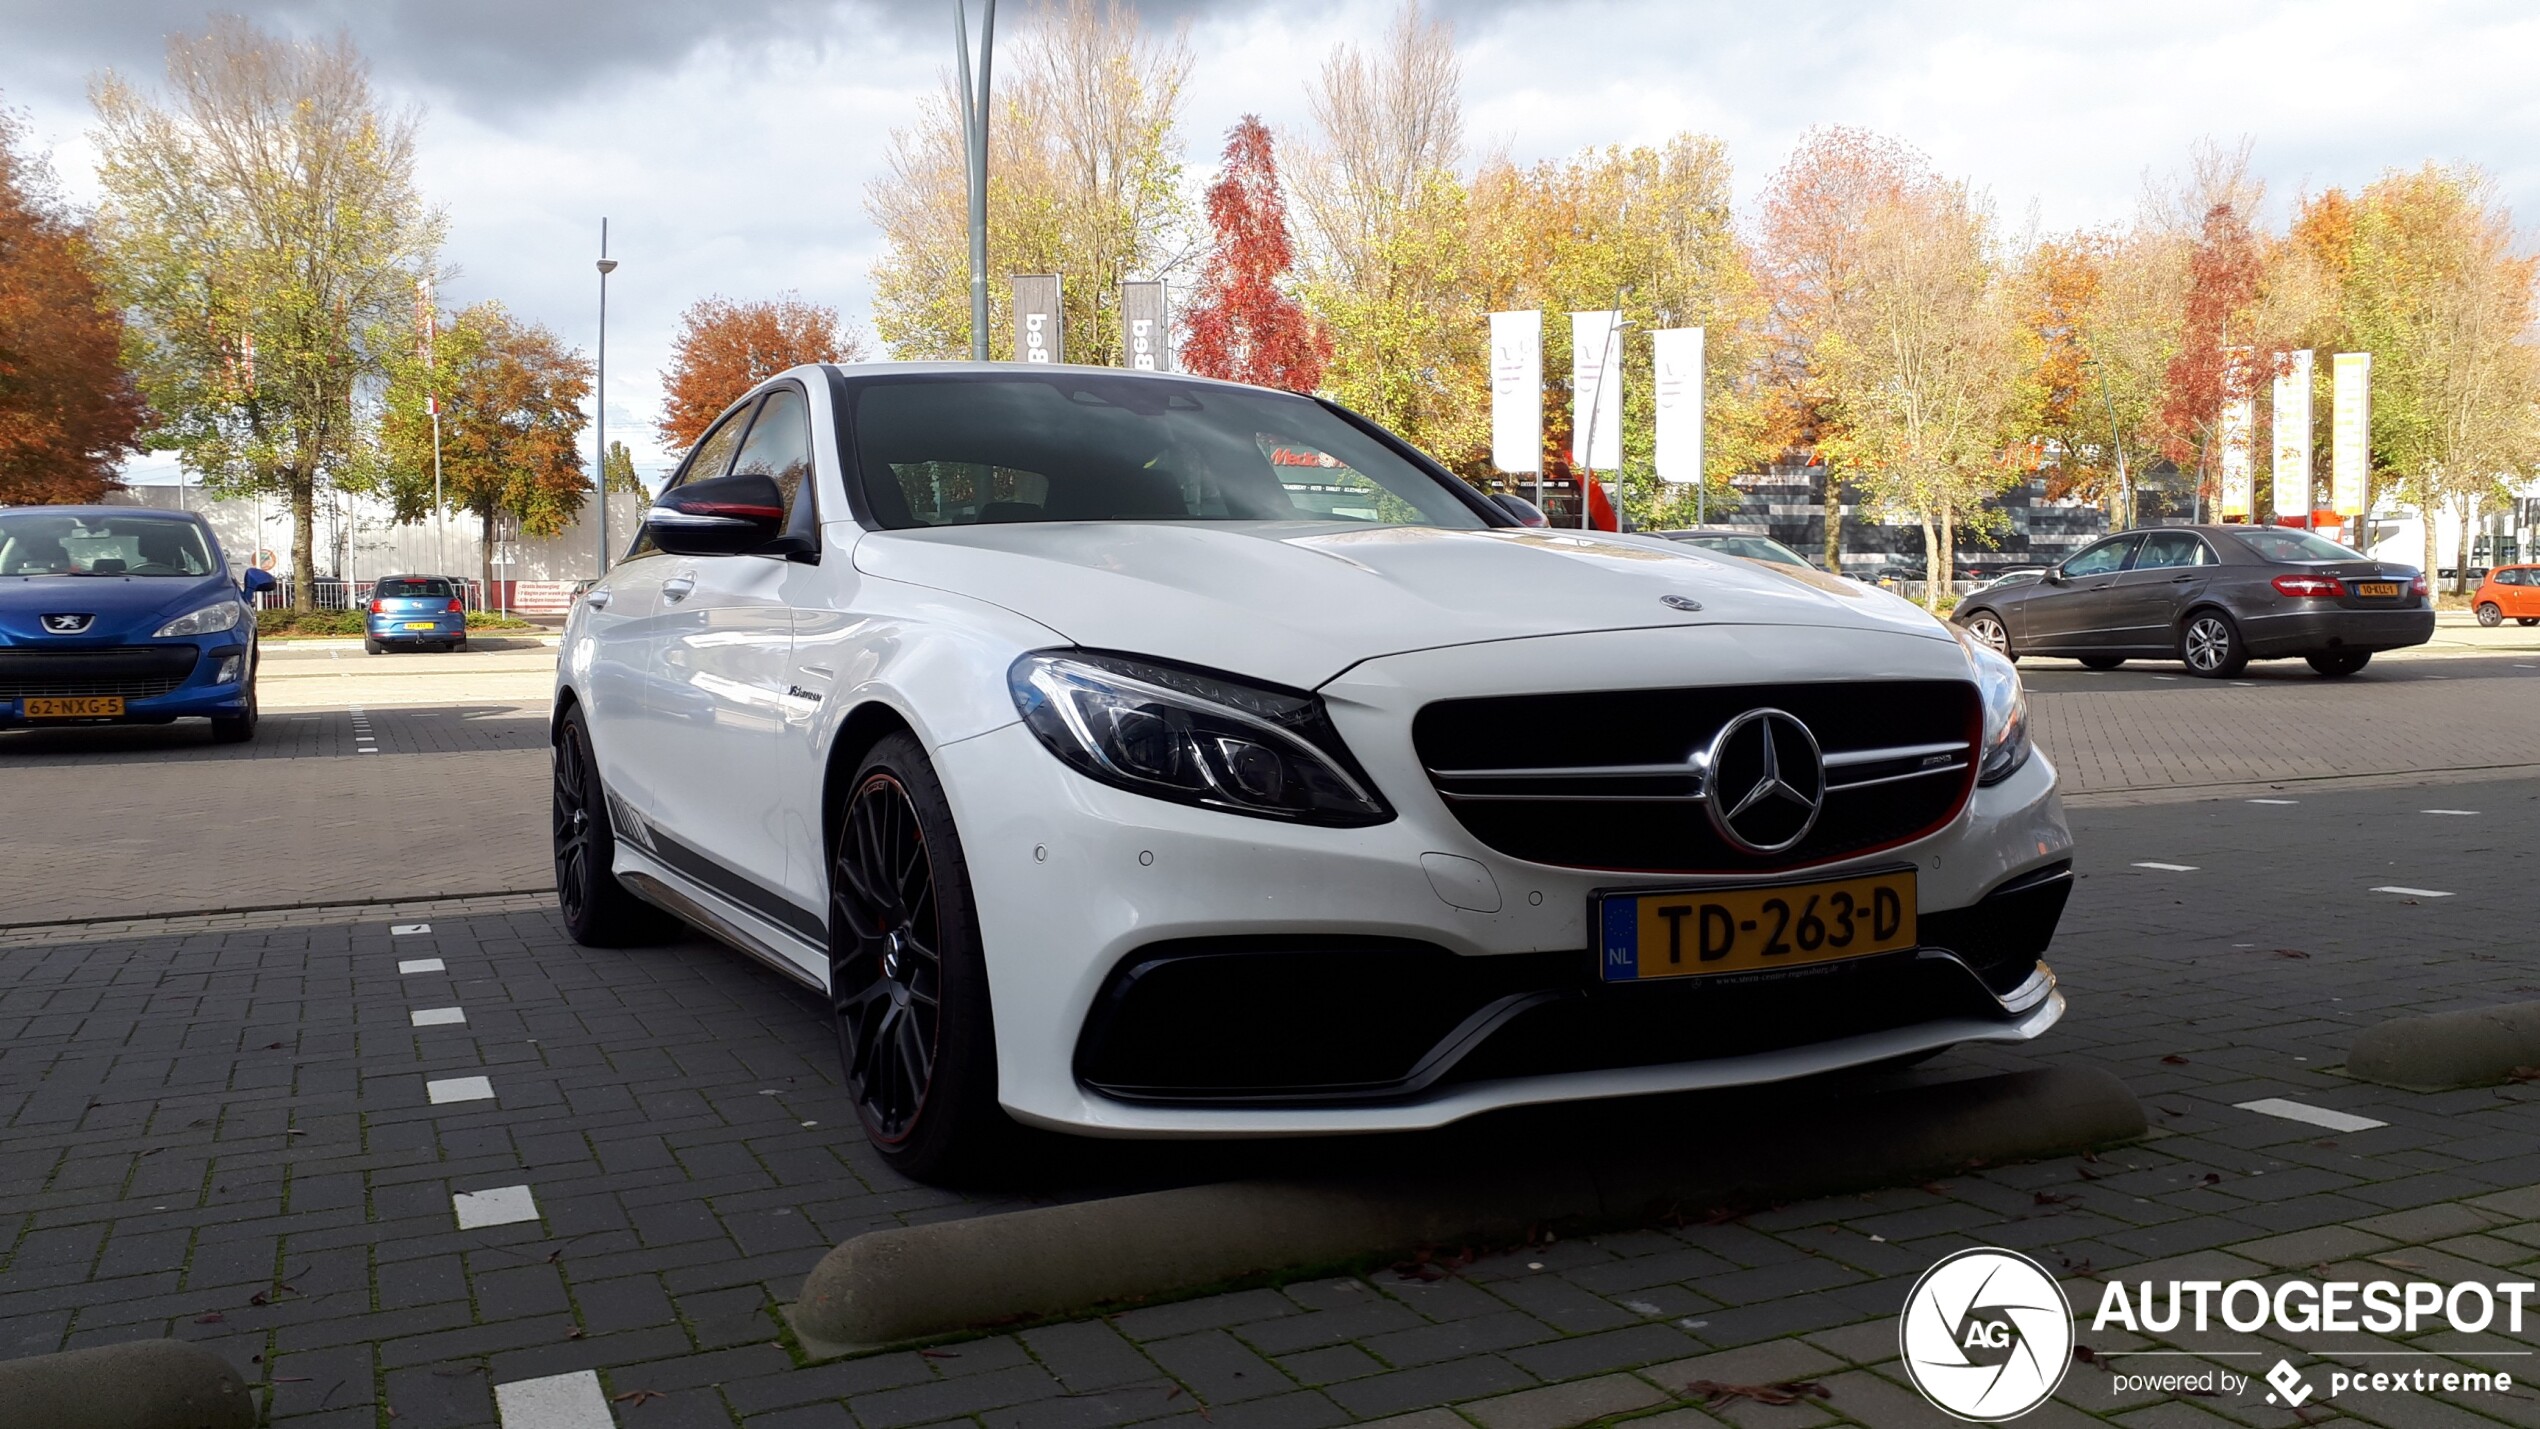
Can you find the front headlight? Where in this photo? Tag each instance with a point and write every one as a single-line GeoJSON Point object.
{"type": "Point", "coordinates": [210, 620]}
{"type": "Point", "coordinates": [2006, 741]}
{"type": "Point", "coordinates": [1193, 737]}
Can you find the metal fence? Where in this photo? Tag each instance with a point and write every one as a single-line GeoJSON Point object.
{"type": "Point", "coordinates": [334, 594]}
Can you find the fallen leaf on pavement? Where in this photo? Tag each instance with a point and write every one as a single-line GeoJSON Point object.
{"type": "Point", "coordinates": [637, 1396]}
{"type": "Point", "coordinates": [2173, 1060]}
{"type": "Point", "coordinates": [2395, 1263]}
{"type": "Point", "coordinates": [2054, 1198]}
{"type": "Point", "coordinates": [1787, 1391]}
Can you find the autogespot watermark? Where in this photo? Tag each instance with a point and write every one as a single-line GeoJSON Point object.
{"type": "Point", "coordinates": [1987, 1335]}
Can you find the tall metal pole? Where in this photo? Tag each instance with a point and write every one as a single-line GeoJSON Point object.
{"type": "Point", "coordinates": [974, 134]}
{"type": "Point", "coordinates": [600, 402]}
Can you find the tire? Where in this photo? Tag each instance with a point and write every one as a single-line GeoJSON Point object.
{"type": "Point", "coordinates": [2337, 664]}
{"type": "Point", "coordinates": [2527, 620]}
{"type": "Point", "coordinates": [2101, 662]}
{"type": "Point", "coordinates": [598, 910]}
{"type": "Point", "coordinates": [908, 980]}
{"type": "Point", "coordinates": [372, 647]}
{"type": "Point", "coordinates": [1988, 628]}
{"type": "Point", "coordinates": [2490, 616]}
{"type": "Point", "coordinates": [2210, 645]}
{"type": "Point", "coordinates": [238, 728]}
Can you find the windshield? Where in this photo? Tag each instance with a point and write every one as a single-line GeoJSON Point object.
{"type": "Point", "coordinates": [2283, 543]}
{"type": "Point", "coordinates": [976, 450]}
{"type": "Point", "coordinates": [46, 543]}
{"type": "Point", "coordinates": [1753, 548]}
{"type": "Point", "coordinates": [411, 587]}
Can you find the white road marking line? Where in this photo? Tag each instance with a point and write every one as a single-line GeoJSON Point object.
{"type": "Point", "coordinates": [2456, 813]}
{"type": "Point", "coordinates": [2275, 801]}
{"type": "Point", "coordinates": [408, 967]}
{"type": "Point", "coordinates": [2165, 677]}
{"type": "Point", "coordinates": [459, 1089]}
{"type": "Point", "coordinates": [402, 930]}
{"type": "Point", "coordinates": [559, 1401]}
{"type": "Point", "coordinates": [2412, 892]}
{"type": "Point", "coordinates": [2314, 1115]}
{"type": "Point", "coordinates": [2170, 867]}
{"type": "Point", "coordinates": [439, 1016]}
{"type": "Point", "coordinates": [365, 751]}
{"type": "Point", "coordinates": [501, 1206]}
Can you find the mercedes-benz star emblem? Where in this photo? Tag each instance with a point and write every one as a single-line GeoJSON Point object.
{"type": "Point", "coordinates": [1766, 781]}
{"type": "Point", "coordinates": [66, 624]}
{"type": "Point", "coordinates": [1679, 602]}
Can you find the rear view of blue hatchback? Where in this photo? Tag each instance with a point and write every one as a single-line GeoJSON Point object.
{"type": "Point", "coordinates": [415, 610]}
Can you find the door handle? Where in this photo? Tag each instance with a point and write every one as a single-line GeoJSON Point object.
{"type": "Point", "coordinates": [595, 599]}
{"type": "Point", "coordinates": [677, 588]}
{"type": "Point", "coordinates": [2181, 580]}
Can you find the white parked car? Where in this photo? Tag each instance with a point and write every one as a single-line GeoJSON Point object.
{"type": "Point", "coordinates": [1137, 755]}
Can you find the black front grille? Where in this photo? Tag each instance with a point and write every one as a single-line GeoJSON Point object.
{"type": "Point", "coordinates": [1577, 817]}
{"type": "Point", "coordinates": [1324, 1020]}
{"type": "Point", "coordinates": [135, 672]}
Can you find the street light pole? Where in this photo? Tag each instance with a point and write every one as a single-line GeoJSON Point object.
{"type": "Point", "coordinates": [974, 135]}
{"type": "Point", "coordinates": [2116, 439]}
{"type": "Point", "coordinates": [600, 402]}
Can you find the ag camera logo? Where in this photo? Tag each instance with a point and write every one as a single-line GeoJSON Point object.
{"type": "Point", "coordinates": [1987, 1335]}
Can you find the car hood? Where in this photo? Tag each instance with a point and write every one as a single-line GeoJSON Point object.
{"type": "Point", "coordinates": [123, 607]}
{"type": "Point", "coordinates": [1300, 602]}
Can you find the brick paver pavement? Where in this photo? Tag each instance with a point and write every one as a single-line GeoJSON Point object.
{"type": "Point", "coordinates": [232, 1137]}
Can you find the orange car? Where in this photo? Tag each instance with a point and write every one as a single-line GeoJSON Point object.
{"type": "Point", "coordinates": [2508, 590]}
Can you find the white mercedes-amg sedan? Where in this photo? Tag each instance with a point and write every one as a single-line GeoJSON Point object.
{"type": "Point", "coordinates": [1137, 755]}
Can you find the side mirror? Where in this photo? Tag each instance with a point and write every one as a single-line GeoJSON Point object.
{"type": "Point", "coordinates": [722, 516]}
{"type": "Point", "coordinates": [2055, 576]}
{"type": "Point", "coordinates": [1526, 512]}
{"type": "Point", "coordinates": [258, 581]}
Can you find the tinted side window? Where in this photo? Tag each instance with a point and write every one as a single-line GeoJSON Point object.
{"type": "Point", "coordinates": [779, 444]}
{"type": "Point", "coordinates": [2171, 549]}
{"type": "Point", "coordinates": [713, 457]}
{"type": "Point", "coordinates": [2101, 559]}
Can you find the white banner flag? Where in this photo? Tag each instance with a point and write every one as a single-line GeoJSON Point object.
{"type": "Point", "coordinates": [1678, 363]}
{"type": "Point", "coordinates": [2293, 437]}
{"type": "Point", "coordinates": [1596, 390]}
{"type": "Point", "coordinates": [2350, 431]}
{"type": "Point", "coordinates": [1516, 391]}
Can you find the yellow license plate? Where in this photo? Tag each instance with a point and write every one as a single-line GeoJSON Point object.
{"type": "Point", "coordinates": [421, 625]}
{"type": "Point", "coordinates": [2376, 587]}
{"type": "Point", "coordinates": [1694, 932]}
{"type": "Point", "coordinates": [85, 707]}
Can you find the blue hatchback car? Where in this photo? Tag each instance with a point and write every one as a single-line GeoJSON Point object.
{"type": "Point", "coordinates": [415, 610]}
{"type": "Point", "coordinates": [114, 615]}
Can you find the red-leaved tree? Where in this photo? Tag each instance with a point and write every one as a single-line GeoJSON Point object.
{"type": "Point", "coordinates": [69, 413]}
{"type": "Point", "coordinates": [1243, 326]}
{"type": "Point", "coordinates": [2222, 281]}
{"type": "Point", "coordinates": [725, 348]}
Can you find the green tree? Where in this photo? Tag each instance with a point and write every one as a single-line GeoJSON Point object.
{"type": "Point", "coordinates": [258, 228]}
{"type": "Point", "coordinates": [622, 477]}
{"type": "Point", "coordinates": [511, 396]}
{"type": "Point", "coordinates": [1084, 180]}
{"type": "Point", "coordinates": [2438, 291]}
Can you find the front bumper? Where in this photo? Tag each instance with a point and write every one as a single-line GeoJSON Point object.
{"type": "Point", "coordinates": [1076, 882]}
{"type": "Point", "coordinates": [196, 668]}
{"type": "Point", "coordinates": [2330, 628]}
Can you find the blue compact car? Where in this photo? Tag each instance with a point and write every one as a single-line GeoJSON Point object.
{"type": "Point", "coordinates": [112, 615]}
{"type": "Point", "coordinates": [415, 610]}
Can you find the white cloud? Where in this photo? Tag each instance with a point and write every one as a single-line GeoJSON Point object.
{"type": "Point", "coordinates": [739, 164]}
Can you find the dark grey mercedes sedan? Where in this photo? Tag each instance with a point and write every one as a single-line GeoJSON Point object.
{"type": "Point", "coordinates": [2215, 597]}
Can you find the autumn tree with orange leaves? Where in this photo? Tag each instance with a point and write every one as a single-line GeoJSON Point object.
{"type": "Point", "coordinates": [1243, 324]}
{"type": "Point", "coordinates": [1809, 251]}
{"type": "Point", "coordinates": [69, 412]}
{"type": "Point", "coordinates": [724, 348]}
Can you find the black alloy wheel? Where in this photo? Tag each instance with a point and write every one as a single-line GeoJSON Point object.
{"type": "Point", "coordinates": [907, 980]}
{"type": "Point", "coordinates": [2490, 616]}
{"type": "Point", "coordinates": [2101, 662]}
{"type": "Point", "coordinates": [598, 910]}
{"type": "Point", "coordinates": [1989, 631]}
{"type": "Point", "coordinates": [2210, 644]}
{"type": "Point", "coordinates": [2337, 663]}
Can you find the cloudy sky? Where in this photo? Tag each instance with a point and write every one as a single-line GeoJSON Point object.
{"type": "Point", "coordinates": [730, 141]}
